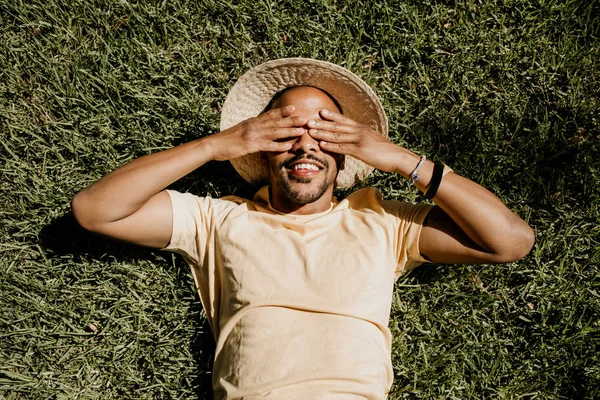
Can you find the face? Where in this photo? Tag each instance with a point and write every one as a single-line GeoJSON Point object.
{"type": "Point", "coordinates": [304, 174]}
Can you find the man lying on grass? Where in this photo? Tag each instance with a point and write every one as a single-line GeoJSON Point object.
{"type": "Point", "coordinates": [296, 284]}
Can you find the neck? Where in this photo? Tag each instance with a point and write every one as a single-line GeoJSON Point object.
{"type": "Point", "coordinates": [283, 204]}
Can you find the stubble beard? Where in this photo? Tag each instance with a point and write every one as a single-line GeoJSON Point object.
{"type": "Point", "coordinates": [297, 196]}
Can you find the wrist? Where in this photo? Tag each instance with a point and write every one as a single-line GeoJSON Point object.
{"type": "Point", "coordinates": [406, 164]}
{"type": "Point", "coordinates": [213, 148]}
{"type": "Point", "coordinates": [406, 161]}
{"type": "Point", "coordinates": [427, 175]}
{"type": "Point", "coordinates": [207, 144]}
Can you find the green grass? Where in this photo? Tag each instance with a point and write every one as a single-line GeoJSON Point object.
{"type": "Point", "coordinates": [507, 93]}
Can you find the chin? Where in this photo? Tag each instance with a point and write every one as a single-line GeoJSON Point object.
{"type": "Point", "coordinates": [303, 192]}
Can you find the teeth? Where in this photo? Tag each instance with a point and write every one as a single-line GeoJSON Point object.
{"type": "Point", "coordinates": [305, 166]}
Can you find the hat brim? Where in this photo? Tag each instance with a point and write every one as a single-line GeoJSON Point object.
{"type": "Point", "coordinates": [254, 90]}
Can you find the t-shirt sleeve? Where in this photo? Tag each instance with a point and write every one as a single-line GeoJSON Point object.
{"type": "Point", "coordinates": [407, 223]}
{"type": "Point", "coordinates": [192, 219]}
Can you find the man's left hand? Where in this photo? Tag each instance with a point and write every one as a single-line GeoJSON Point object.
{"type": "Point", "coordinates": [337, 133]}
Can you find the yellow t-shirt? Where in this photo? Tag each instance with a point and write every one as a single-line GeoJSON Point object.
{"type": "Point", "coordinates": [299, 305]}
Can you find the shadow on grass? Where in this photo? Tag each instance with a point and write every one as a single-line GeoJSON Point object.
{"type": "Point", "coordinates": [216, 179]}
{"type": "Point", "coordinates": [203, 347]}
{"type": "Point", "coordinates": [65, 237]}
{"type": "Point", "coordinates": [426, 274]}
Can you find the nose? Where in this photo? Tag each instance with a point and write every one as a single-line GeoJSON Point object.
{"type": "Point", "coordinates": [305, 144]}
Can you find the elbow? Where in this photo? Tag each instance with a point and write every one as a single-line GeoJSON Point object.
{"type": "Point", "coordinates": [520, 244]}
{"type": "Point", "coordinates": [83, 212]}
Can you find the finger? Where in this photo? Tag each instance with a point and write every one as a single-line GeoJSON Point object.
{"type": "Point", "coordinates": [276, 113]}
{"type": "Point", "coordinates": [337, 117]}
{"type": "Point", "coordinates": [339, 148]}
{"type": "Point", "coordinates": [277, 146]}
{"type": "Point", "coordinates": [286, 133]}
{"type": "Point", "coordinates": [284, 122]}
{"type": "Point", "coordinates": [333, 136]}
{"type": "Point", "coordinates": [331, 126]}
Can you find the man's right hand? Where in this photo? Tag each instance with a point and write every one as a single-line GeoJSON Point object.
{"type": "Point", "coordinates": [270, 131]}
{"type": "Point", "coordinates": [130, 203]}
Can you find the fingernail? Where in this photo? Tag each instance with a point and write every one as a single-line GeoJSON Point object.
{"type": "Point", "coordinates": [312, 122]}
{"type": "Point", "coordinates": [325, 111]}
{"type": "Point", "coordinates": [289, 108]}
{"type": "Point", "coordinates": [323, 143]}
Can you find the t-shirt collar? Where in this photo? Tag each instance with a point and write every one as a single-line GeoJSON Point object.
{"type": "Point", "coordinates": [262, 196]}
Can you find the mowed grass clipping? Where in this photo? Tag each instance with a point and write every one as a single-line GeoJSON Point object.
{"type": "Point", "coordinates": [505, 92]}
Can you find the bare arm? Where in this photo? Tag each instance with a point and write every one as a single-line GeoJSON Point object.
{"type": "Point", "coordinates": [130, 203]}
{"type": "Point", "coordinates": [470, 224]}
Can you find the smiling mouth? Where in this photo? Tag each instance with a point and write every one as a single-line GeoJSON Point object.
{"type": "Point", "coordinates": [304, 168]}
{"type": "Point", "coordinates": [305, 165]}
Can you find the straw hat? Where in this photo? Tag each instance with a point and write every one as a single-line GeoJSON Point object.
{"type": "Point", "coordinates": [254, 90]}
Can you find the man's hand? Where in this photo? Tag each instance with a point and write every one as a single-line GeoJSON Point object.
{"type": "Point", "coordinates": [340, 134]}
{"type": "Point", "coordinates": [130, 203]}
{"type": "Point", "coordinates": [270, 131]}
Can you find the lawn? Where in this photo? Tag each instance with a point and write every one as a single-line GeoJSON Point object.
{"type": "Point", "coordinates": [505, 92]}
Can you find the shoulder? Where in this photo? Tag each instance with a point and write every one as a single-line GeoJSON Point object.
{"type": "Point", "coordinates": [371, 198]}
{"type": "Point", "coordinates": [204, 204]}
{"type": "Point", "coordinates": [368, 200]}
{"type": "Point", "coordinates": [365, 198]}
